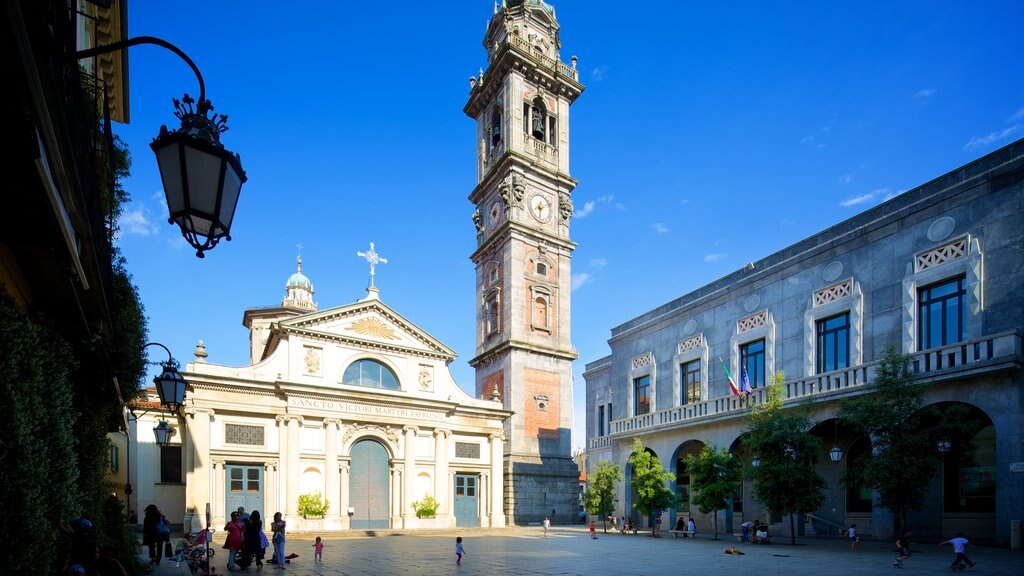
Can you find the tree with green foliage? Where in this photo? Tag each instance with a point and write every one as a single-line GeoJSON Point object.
{"type": "Point", "coordinates": [786, 480]}
{"type": "Point", "coordinates": [715, 475]}
{"type": "Point", "coordinates": [648, 482]}
{"type": "Point", "coordinates": [599, 495]}
{"type": "Point", "coordinates": [903, 456]}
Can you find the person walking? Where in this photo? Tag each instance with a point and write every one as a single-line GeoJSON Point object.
{"type": "Point", "coordinates": [547, 524]}
{"type": "Point", "coordinates": [318, 550]}
{"type": "Point", "coordinates": [278, 527]}
{"type": "Point", "coordinates": [960, 544]}
{"type": "Point", "coordinates": [154, 533]}
{"type": "Point", "coordinates": [233, 544]}
{"type": "Point", "coordinates": [593, 531]}
{"type": "Point", "coordinates": [459, 550]}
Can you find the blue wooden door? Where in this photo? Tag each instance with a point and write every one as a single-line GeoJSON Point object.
{"type": "Point", "coordinates": [244, 487]}
{"type": "Point", "coordinates": [466, 500]}
{"type": "Point", "coordinates": [369, 486]}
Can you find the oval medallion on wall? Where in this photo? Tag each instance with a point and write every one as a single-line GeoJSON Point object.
{"type": "Point", "coordinates": [941, 228]}
{"type": "Point", "coordinates": [832, 271]}
{"type": "Point", "coordinates": [689, 327]}
{"type": "Point", "coordinates": [752, 302]}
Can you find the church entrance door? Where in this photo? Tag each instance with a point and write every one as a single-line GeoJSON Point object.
{"type": "Point", "coordinates": [368, 485]}
{"type": "Point", "coordinates": [244, 488]}
{"type": "Point", "coordinates": [466, 500]}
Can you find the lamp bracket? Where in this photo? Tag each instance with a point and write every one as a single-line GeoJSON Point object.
{"type": "Point", "coordinates": [122, 44]}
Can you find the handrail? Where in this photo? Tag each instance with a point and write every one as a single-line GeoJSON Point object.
{"type": "Point", "coordinates": [824, 520]}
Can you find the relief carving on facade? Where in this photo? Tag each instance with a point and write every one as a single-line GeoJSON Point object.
{"type": "Point", "coordinates": [426, 376]}
{"type": "Point", "coordinates": [372, 327]}
{"type": "Point", "coordinates": [386, 432]}
{"type": "Point", "coordinates": [952, 251]}
{"type": "Point", "coordinates": [512, 190]}
{"type": "Point", "coordinates": [833, 293]}
{"type": "Point", "coordinates": [312, 361]}
{"type": "Point", "coordinates": [565, 207]}
{"type": "Point", "coordinates": [751, 322]}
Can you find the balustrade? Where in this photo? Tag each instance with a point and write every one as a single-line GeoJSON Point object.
{"type": "Point", "coordinates": [973, 354]}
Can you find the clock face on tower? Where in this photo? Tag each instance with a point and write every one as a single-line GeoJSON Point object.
{"type": "Point", "coordinates": [494, 214]}
{"type": "Point", "coordinates": [540, 208]}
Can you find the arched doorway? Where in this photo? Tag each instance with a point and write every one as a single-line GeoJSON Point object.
{"type": "Point", "coordinates": [966, 488]}
{"type": "Point", "coordinates": [681, 486]}
{"type": "Point", "coordinates": [369, 485]}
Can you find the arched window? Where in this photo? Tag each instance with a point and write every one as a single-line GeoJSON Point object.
{"type": "Point", "coordinates": [495, 126]}
{"type": "Point", "coordinates": [542, 268]}
{"type": "Point", "coordinates": [538, 119]}
{"type": "Point", "coordinates": [370, 374]}
{"type": "Point", "coordinates": [540, 312]}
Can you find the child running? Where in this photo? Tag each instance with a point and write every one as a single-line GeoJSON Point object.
{"type": "Point", "coordinates": [593, 531]}
{"type": "Point", "coordinates": [854, 539]}
{"type": "Point", "coordinates": [459, 550]}
{"type": "Point", "coordinates": [903, 545]}
{"type": "Point", "coordinates": [318, 550]}
{"type": "Point", "coordinates": [959, 545]}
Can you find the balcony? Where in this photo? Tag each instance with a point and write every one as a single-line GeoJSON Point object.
{"type": "Point", "coordinates": [534, 54]}
{"type": "Point", "coordinates": [989, 354]}
{"type": "Point", "coordinates": [544, 152]}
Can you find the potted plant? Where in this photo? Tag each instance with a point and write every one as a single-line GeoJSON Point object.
{"type": "Point", "coordinates": [312, 505]}
{"type": "Point", "coordinates": [426, 508]}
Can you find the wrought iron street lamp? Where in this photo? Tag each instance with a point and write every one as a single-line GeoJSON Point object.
{"type": "Point", "coordinates": [170, 385]}
{"type": "Point", "coordinates": [755, 461]}
{"type": "Point", "coordinates": [836, 454]}
{"type": "Point", "coordinates": [943, 445]}
{"type": "Point", "coordinates": [163, 433]}
{"type": "Point", "coordinates": [202, 179]}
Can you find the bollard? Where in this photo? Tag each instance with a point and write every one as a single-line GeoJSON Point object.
{"type": "Point", "coordinates": [1014, 534]}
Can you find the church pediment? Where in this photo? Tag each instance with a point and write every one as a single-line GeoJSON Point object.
{"type": "Point", "coordinates": [370, 323]}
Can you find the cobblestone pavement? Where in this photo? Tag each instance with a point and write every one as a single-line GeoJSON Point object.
{"type": "Point", "coordinates": [569, 550]}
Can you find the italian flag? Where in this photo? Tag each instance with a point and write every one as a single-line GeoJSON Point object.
{"type": "Point", "coordinates": [732, 383]}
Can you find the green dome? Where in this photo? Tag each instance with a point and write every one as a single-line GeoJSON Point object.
{"type": "Point", "coordinates": [299, 280]}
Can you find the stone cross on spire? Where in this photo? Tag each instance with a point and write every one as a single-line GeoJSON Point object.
{"type": "Point", "coordinates": [373, 258]}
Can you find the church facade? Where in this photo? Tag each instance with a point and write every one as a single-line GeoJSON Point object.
{"type": "Point", "coordinates": [934, 272]}
{"type": "Point", "coordinates": [354, 405]}
{"type": "Point", "coordinates": [524, 353]}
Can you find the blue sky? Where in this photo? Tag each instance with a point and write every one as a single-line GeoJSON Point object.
{"type": "Point", "coordinates": [710, 135]}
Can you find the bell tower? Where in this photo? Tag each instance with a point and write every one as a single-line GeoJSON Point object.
{"type": "Point", "coordinates": [523, 258]}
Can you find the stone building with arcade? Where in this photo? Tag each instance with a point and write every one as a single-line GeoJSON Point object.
{"type": "Point", "coordinates": [935, 272]}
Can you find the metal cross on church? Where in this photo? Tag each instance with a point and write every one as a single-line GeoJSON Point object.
{"type": "Point", "coordinates": [373, 258]}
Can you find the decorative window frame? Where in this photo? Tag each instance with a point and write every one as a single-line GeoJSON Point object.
{"type": "Point", "coordinates": [763, 330]}
{"type": "Point", "coordinates": [538, 291]}
{"type": "Point", "coordinates": [853, 303]}
{"type": "Point", "coordinates": [971, 266]}
{"type": "Point", "coordinates": [237, 446]}
{"type": "Point", "coordinates": [642, 365]}
{"type": "Point", "coordinates": [688, 350]}
{"type": "Point", "coordinates": [540, 261]}
{"type": "Point", "coordinates": [492, 272]}
{"type": "Point", "coordinates": [492, 299]}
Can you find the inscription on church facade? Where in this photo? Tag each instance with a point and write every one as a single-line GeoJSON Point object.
{"type": "Point", "coordinates": [366, 409]}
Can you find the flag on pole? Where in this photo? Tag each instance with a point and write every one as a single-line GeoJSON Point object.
{"type": "Point", "coordinates": [745, 383]}
{"type": "Point", "coordinates": [732, 383]}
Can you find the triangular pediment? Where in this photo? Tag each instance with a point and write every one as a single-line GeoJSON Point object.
{"type": "Point", "coordinates": [367, 323]}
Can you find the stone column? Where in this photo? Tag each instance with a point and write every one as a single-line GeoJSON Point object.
{"type": "Point", "coordinates": [217, 500]}
{"type": "Point", "coordinates": [396, 495]}
{"type": "Point", "coordinates": [346, 520]}
{"type": "Point", "coordinates": [331, 489]}
{"type": "Point", "coordinates": [292, 469]}
{"type": "Point", "coordinates": [270, 498]}
{"type": "Point", "coordinates": [441, 485]}
{"type": "Point", "coordinates": [410, 475]}
{"type": "Point", "coordinates": [497, 481]}
{"type": "Point", "coordinates": [484, 497]}
{"type": "Point", "coordinates": [199, 476]}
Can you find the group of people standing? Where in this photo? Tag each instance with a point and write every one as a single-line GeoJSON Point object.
{"type": "Point", "coordinates": [247, 543]}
